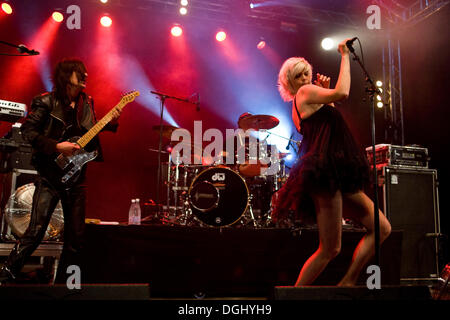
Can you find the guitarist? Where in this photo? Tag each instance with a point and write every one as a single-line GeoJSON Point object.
{"type": "Point", "coordinates": [56, 116]}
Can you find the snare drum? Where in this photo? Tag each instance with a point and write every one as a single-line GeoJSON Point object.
{"type": "Point", "coordinates": [218, 196]}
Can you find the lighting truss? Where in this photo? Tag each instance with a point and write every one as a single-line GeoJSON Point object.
{"type": "Point", "coordinates": [400, 17]}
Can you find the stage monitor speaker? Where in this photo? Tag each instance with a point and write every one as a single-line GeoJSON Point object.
{"type": "Point", "coordinates": [357, 293]}
{"type": "Point", "coordinates": [86, 292]}
{"type": "Point", "coordinates": [410, 202]}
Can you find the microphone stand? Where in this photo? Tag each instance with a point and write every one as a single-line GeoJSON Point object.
{"type": "Point", "coordinates": [163, 98]}
{"type": "Point", "coordinates": [371, 90]}
{"type": "Point", "coordinates": [17, 47]}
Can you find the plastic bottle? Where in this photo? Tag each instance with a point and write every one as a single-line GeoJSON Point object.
{"type": "Point", "coordinates": [131, 212]}
{"type": "Point", "coordinates": [138, 212]}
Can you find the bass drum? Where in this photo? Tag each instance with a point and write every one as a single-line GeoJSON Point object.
{"type": "Point", "coordinates": [218, 196]}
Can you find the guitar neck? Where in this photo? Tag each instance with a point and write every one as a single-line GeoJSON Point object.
{"type": "Point", "coordinates": [88, 136]}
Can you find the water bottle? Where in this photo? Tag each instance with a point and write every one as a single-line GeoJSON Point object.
{"type": "Point", "coordinates": [131, 212]}
{"type": "Point", "coordinates": [138, 212]}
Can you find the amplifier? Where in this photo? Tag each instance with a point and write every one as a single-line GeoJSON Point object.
{"type": "Point", "coordinates": [15, 152]}
{"type": "Point", "coordinates": [405, 156]}
{"type": "Point", "coordinates": [410, 201]}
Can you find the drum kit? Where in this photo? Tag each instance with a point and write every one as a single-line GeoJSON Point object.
{"type": "Point", "coordinates": [217, 194]}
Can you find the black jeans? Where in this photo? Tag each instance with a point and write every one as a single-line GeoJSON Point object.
{"type": "Point", "coordinates": [45, 199]}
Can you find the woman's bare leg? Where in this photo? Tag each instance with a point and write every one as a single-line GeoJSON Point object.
{"type": "Point", "coordinates": [359, 206]}
{"type": "Point", "coordinates": [329, 221]}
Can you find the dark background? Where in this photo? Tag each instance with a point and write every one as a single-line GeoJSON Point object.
{"type": "Point", "coordinates": [137, 52]}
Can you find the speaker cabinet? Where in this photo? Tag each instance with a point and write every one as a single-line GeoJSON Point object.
{"type": "Point", "coordinates": [410, 202]}
{"type": "Point", "coordinates": [105, 292]}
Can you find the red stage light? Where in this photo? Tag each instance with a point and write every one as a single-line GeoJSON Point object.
{"type": "Point", "coordinates": [221, 36]}
{"type": "Point", "coordinates": [6, 7]}
{"type": "Point", "coordinates": [106, 21]}
{"type": "Point", "coordinates": [57, 16]}
{"type": "Point", "coordinates": [176, 31]}
{"type": "Point", "coordinates": [261, 45]}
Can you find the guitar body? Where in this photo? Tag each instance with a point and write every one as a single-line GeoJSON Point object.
{"type": "Point", "coordinates": [65, 171]}
{"type": "Point", "coordinates": [70, 167]}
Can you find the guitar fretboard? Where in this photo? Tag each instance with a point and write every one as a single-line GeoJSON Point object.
{"type": "Point", "coordinates": [88, 136]}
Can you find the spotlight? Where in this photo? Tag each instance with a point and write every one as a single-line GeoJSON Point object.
{"type": "Point", "coordinates": [379, 83]}
{"type": "Point", "coordinates": [57, 16]}
{"type": "Point", "coordinates": [183, 11]}
{"type": "Point", "coordinates": [378, 97]}
{"type": "Point", "coordinates": [221, 36]}
{"type": "Point", "coordinates": [6, 7]}
{"type": "Point", "coordinates": [176, 31]}
{"type": "Point", "coordinates": [327, 44]}
{"type": "Point", "coordinates": [380, 104]}
{"type": "Point", "coordinates": [104, 1]}
{"type": "Point", "coordinates": [261, 44]}
{"type": "Point", "coordinates": [184, 2]}
{"type": "Point", "coordinates": [106, 21]}
{"type": "Point", "coordinates": [252, 5]}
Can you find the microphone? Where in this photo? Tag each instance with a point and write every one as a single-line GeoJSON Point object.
{"type": "Point", "coordinates": [23, 49]}
{"type": "Point", "coordinates": [289, 143]}
{"type": "Point", "coordinates": [198, 102]}
{"type": "Point", "coordinates": [349, 44]}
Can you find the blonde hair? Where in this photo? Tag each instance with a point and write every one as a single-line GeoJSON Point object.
{"type": "Point", "coordinates": [291, 68]}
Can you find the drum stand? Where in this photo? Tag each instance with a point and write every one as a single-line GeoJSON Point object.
{"type": "Point", "coordinates": [250, 209]}
{"type": "Point", "coordinates": [178, 209]}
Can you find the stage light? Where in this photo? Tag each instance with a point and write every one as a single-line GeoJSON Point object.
{"type": "Point", "coordinates": [184, 2]}
{"type": "Point", "coordinates": [261, 44]}
{"type": "Point", "coordinates": [176, 31]}
{"type": "Point", "coordinates": [327, 44]}
{"type": "Point", "coordinates": [380, 104]}
{"type": "Point", "coordinates": [252, 5]}
{"type": "Point", "coordinates": [183, 11]}
{"type": "Point", "coordinates": [106, 21]}
{"type": "Point", "coordinates": [104, 1]}
{"type": "Point", "coordinates": [6, 7]}
{"type": "Point", "coordinates": [221, 36]}
{"type": "Point", "coordinates": [379, 83]}
{"type": "Point", "coordinates": [57, 16]}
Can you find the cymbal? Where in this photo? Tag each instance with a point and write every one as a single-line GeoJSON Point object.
{"type": "Point", "coordinates": [282, 155]}
{"type": "Point", "coordinates": [257, 122]}
{"type": "Point", "coordinates": [166, 130]}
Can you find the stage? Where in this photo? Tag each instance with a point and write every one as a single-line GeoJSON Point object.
{"type": "Point", "coordinates": [179, 263]}
{"type": "Point", "coordinates": [190, 262]}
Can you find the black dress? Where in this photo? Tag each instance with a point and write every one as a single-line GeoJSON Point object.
{"type": "Point", "coordinates": [329, 160]}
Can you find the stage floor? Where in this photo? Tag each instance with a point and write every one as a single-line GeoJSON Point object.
{"type": "Point", "coordinates": [191, 262]}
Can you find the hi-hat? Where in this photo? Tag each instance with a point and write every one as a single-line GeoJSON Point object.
{"type": "Point", "coordinates": [258, 122]}
{"type": "Point", "coordinates": [283, 155]}
{"type": "Point", "coordinates": [166, 130]}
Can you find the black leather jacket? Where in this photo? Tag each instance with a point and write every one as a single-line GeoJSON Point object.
{"type": "Point", "coordinates": [46, 125]}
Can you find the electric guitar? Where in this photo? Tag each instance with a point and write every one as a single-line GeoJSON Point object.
{"type": "Point", "coordinates": [70, 166]}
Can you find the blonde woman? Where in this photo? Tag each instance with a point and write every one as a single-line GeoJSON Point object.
{"type": "Point", "coordinates": [326, 184]}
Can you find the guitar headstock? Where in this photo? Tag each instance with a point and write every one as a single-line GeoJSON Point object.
{"type": "Point", "coordinates": [129, 96]}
